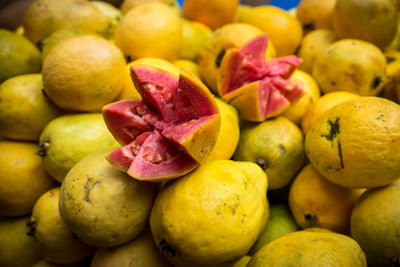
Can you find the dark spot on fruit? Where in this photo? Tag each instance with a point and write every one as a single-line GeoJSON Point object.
{"type": "Point", "coordinates": [329, 52]}
{"type": "Point", "coordinates": [219, 58]}
{"type": "Point", "coordinates": [87, 190]}
{"type": "Point", "coordinates": [32, 227]}
{"type": "Point", "coordinates": [334, 129]}
{"type": "Point", "coordinates": [380, 117]}
{"type": "Point", "coordinates": [376, 82]}
{"type": "Point", "coordinates": [333, 83]}
{"type": "Point", "coordinates": [51, 194]}
{"type": "Point", "coordinates": [340, 155]}
{"type": "Point", "coordinates": [353, 43]}
{"type": "Point", "coordinates": [309, 26]}
{"type": "Point", "coordinates": [40, 45]}
{"type": "Point", "coordinates": [44, 147]}
{"type": "Point", "coordinates": [310, 218]}
{"type": "Point", "coordinates": [282, 150]}
{"type": "Point", "coordinates": [390, 60]}
{"type": "Point", "coordinates": [166, 249]}
{"type": "Point", "coordinates": [262, 163]}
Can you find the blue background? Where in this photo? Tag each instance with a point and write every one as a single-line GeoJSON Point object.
{"type": "Point", "coordinates": [285, 4]}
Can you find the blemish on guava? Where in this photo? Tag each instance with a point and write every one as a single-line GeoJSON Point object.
{"type": "Point", "coordinates": [219, 58]}
{"type": "Point", "coordinates": [262, 163]}
{"type": "Point", "coordinates": [390, 60]}
{"type": "Point", "coordinates": [376, 82]}
{"type": "Point", "coordinates": [309, 26]}
{"type": "Point", "coordinates": [44, 147]}
{"type": "Point", "coordinates": [282, 150]}
{"type": "Point", "coordinates": [166, 249]}
{"type": "Point", "coordinates": [310, 218]}
{"type": "Point", "coordinates": [334, 129]}
{"type": "Point", "coordinates": [380, 116]}
{"type": "Point", "coordinates": [32, 227]}
{"type": "Point", "coordinates": [340, 154]}
{"type": "Point", "coordinates": [87, 190]}
{"type": "Point", "coordinates": [333, 83]}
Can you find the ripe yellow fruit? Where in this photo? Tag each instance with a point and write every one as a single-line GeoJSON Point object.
{"type": "Point", "coordinates": [23, 178]}
{"type": "Point", "coordinates": [42, 17]}
{"type": "Point", "coordinates": [150, 30]}
{"type": "Point", "coordinates": [24, 109]}
{"type": "Point", "coordinates": [321, 105]}
{"type": "Point", "coordinates": [214, 14]}
{"type": "Point", "coordinates": [17, 55]}
{"type": "Point", "coordinates": [54, 239]}
{"type": "Point", "coordinates": [229, 133]}
{"type": "Point", "coordinates": [84, 73]}
{"type": "Point", "coordinates": [315, 14]}
{"type": "Point", "coordinates": [284, 30]}
{"type": "Point", "coordinates": [129, 4]}
{"type": "Point", "coordinates": [212, 216]}
{"type": "Point", "coordinates": [298, 109]}
{"type": "Point", "coordinates": [356, 143]}
{"type": "Point", "coordinates": [303, 248]}
{"type": "Point", "coordinates": [316, 202]}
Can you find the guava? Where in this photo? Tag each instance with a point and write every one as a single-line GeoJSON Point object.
{"type": "Point", "coordinates": [211, 216]}
{"type": "Point", "coordinates": [167, 133]}
{"type": "Point", "coordinates": [101, 204]}
{"type": "Point", "coordinates": [141, 250]}
{"type": "Point", "coordinates": [374, 21]}
{"type": "Point", "coordinates": [54, 240]}
{"type": "Point", "coordinates": [351, 65]}
{"type": "Point", "coordinates": [258, 88]}
{"type": "Point", "coordinates": [67, 139]}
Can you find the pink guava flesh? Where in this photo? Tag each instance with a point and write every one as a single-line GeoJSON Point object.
{"type": "Point", "coordinates": [248, 64]}
{"type": "Point", "coordinates": [153, 129]}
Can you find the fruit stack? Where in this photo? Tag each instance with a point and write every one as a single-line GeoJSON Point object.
{"type": "Point", "coordinates": [212, 134]}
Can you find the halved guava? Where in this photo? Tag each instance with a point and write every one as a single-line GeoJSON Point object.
{"type": "Point", "coordinates": [167, 133]}
{"type": "Point", "coordinates": [258, 88]}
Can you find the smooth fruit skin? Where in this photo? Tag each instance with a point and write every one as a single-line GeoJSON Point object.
{"type": "Point", "coordinates": [306, 249]}
{"type": "Point", "coordinates": [42, 17]}
{"type": "Point", "coordinates": [298, 109]}
{"type": "Point", "coordinates": [229, 133]}
{"type": "Point", "coordinates": [356, 143]}
{"type": "Point", "coordinates": [214, 14]}
{"type": "Point", "coordinates": [220, 226]}
{"type": "Point", "coordinates": [69, 138]}
{"type": "Point", "coordinates": [17, 248]}
{"type": "Point", "coordinates": [150, 30]}
{"type": "Point", "coordinates": [351, 65]}
{"type": "Point", "coordinates": [23, 178]}
{"type": "Point", "coordinates": [378, 237]}
{"type": "Point", "coordinates": [321, 105]}
{"type": "Point", "coordinates": [313, 45]}
{"type": "Point", "coordinates": [141, 250]}
{"type": "Point", "coordinates": [316, 202]}
{"type": "Point", "coordinates": [315, 14]}
{"type": "Point", "coordinates": [103, 206]}
{"type": "Point", "coordinates": [280, 222]}
{"type": "Point", "coordinates": [83, 73]}
{"type": "Point", "coordinates": [24, 109]}
{"type": "Point", "coordinates": [55, 241]}
{"type": "Point", "coordinates": [285, 31]}
{"type": "Point", "coordinates": [17, 55]}
{"type": "Point", "coordinates": [374, 21]}
{"type": "Point", "coordinates": [276, 145]}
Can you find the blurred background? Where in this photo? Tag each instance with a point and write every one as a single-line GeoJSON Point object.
{"type": "Point", "coordinates": [11, 11]}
